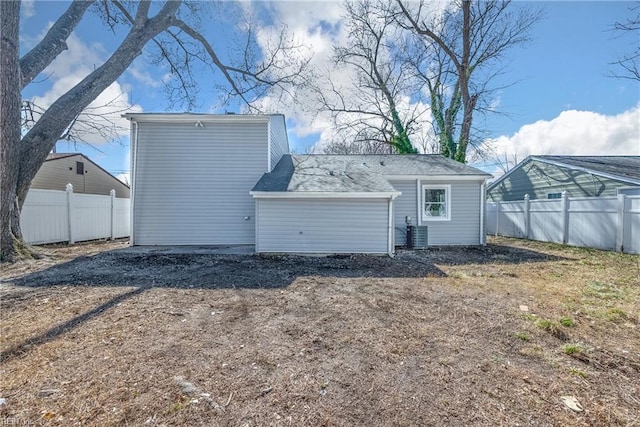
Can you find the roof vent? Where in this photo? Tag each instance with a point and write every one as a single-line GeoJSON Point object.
{"type": "Point", "coordinates": [381, 162]}
{"type": "Point", "coordinates": [332, 173]}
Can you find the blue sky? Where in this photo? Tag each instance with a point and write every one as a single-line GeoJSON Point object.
{"type": "Point", "coordinates": [562, 101]}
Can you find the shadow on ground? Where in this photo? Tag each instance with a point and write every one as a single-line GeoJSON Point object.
{"type": "Point", "coordinates": [124, 267]}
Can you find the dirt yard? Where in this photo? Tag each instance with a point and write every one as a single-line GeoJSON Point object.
{"type": "Point", "coordinates": [516, 333]}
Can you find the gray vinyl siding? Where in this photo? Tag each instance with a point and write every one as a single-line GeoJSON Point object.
{"type": "Point", "coordinates": [537, 179]}
{"type": "Point", "coordinates": [464, 226]}
{"type": "Point", "coordinates": [55, 174]}
{"type": "Point", "coordinates": [462, 229]}
{"type": "Point", "coordinates": [278, 140]}
{"type": "Point", "coordinates": [322, 225]}
{"type": "Point", "coordinates": [403, 206]}
{"type": "Point", "coordinates": [192, 183]}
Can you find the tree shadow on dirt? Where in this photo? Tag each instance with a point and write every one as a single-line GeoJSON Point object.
{"type": "Point", "coordinates": [123, 267]}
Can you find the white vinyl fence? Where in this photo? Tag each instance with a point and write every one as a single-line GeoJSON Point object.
{"type": "Point", "coordinates": [610, 223]}
{"type": "Point", "coordinates": [51, 216]}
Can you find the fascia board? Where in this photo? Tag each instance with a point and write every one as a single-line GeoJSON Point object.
{"type": "Point", "coordinates": [323, 195]}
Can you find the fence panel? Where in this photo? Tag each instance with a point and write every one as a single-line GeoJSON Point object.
{"type": "Point", "coordinates": [593, 222]}
{"type": "Point", "coordinates": [631, 232]}
{"type": "Point", "coordinates": [122, 215]}
{"type": "Point", "coordinates": [546, 220]}
{"type": "Point", "coordinates": [45, 217]}
{"type": "Point", "coordinates": [91, 217]}
{"type": "Point", "coordinates": [490, 215]}
{"type": "Point", "coordinates": [511, 221]}
{"type": "Point", "coordinates": [51, 216]}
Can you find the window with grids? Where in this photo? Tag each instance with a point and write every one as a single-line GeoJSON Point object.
{"type": "Point", "coordinates": [436, 203]}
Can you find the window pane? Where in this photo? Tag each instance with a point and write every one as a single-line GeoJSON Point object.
{"type": "Point", "coordinates": [435, 209]}
{"type": "Point", "coordinates": [435, 195]}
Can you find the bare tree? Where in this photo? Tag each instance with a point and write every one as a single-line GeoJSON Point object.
{"type": "Point", "coordinates": [9, 123]}
{"type": "Point", "coordinates": [172, 31]}
{"type": "Point", "coordinates": [629, 64]}
{"type": "Point", "coordinates": [462, 47]}
{"type": "Point", "coordinates": [366, 109]}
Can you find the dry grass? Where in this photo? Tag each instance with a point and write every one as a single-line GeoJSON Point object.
{"type": "Point", "coordinates": [92, 336]}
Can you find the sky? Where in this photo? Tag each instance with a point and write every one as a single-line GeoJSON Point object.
{"type": "Point", "coordinates": [558, 97]}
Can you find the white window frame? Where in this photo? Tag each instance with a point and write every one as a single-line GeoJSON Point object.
{"type": "Point", "coordinates": [447, 189]}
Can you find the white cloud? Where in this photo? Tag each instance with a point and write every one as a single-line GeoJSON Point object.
{"type": "Point", "coordinates": [138, 71]}
{"type": "Point", "coordinates": [68, 69]}
{"type": "Point", "coordinates": [573, 133]}
{"type": "Point", "coordinates": [27, 8]}
{"type": "Point", "coordinates": [125, 177]}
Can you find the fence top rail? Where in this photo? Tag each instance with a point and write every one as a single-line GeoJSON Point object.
{"type": "Point", "coordinates": [628, 197]}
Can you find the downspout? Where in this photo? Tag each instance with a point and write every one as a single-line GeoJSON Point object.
{"type": "Point", "coordinates": [269, 141]}
{"type": "Point", "coordinates": [390, 242]}
{"type": "Point", "coordinates": [483, 207]}
{"type": "Point", "coordinates": [132, 168]}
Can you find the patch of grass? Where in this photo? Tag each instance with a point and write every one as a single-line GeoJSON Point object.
{"type": "Point", "coordinates": [616, 315]}
{"type": "Point", "coordinates": [523, 336]}
{"type": "Point", "coordinates": [567, 321]}
{"type": "Point", "coordinates": [577, 372]}
{"type": "Point", "coordinates": [547, 325]}
{"type": "Point", "coordinates": [572, 349]}
{"type": "Point", "coordinates": [529, 316]}
{"type": "Point", "coordinates": [602, 291]}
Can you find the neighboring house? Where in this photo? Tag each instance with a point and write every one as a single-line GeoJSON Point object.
{"type": "Point", "coordinates": [86, 176]}
{"type": "Point", "coordinates": [546, 177]}
{"type": "Point", "coordinates": [229, 179]}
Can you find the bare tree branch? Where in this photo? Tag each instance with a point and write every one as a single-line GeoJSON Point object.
{"type": "Point", "coordinates": [629, 64]}
{"type": "Point", "coordinates": [53, 43]}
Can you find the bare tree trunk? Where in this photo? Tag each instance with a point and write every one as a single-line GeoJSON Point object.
{"type": "Point", "coordinates": [9, 127]}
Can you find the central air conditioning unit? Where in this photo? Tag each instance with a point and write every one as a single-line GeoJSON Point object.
{"type": "Point", "coordinates": [417, 237]}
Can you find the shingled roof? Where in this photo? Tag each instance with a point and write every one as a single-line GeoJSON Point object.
{"type": "Point", "coordinates": [614, 166]}
{"type": "Point", "coordinates": [364, 173]}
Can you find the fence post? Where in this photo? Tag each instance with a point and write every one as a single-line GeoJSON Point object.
{"type": "Point", "coordinates": [69, 189]}
{"type": "Point", "coordinates": [527, 217]}
{"type": "Point", "coordinates": [497, 218]}
{"type": "Point", "coordinates": [622, 201]}
{"type": "Point", "coordinates": [565, 218]}
{"type": "Point", "coordinates": [112, 193]}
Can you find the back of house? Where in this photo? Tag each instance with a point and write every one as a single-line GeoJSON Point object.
{"type": "Point", "coordinates": [201, 179]}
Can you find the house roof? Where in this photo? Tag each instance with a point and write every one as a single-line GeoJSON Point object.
{"type": "Point", "coordinates": [54, 156]}
{"type": "Point", "coordinates": [198, 117]}
{"type": "Point", "coordinates": [366, 173]}
{"type": "Point", "coordinates": [621, 168]}
{"type": "Point", "coordinates": [618, 166]}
